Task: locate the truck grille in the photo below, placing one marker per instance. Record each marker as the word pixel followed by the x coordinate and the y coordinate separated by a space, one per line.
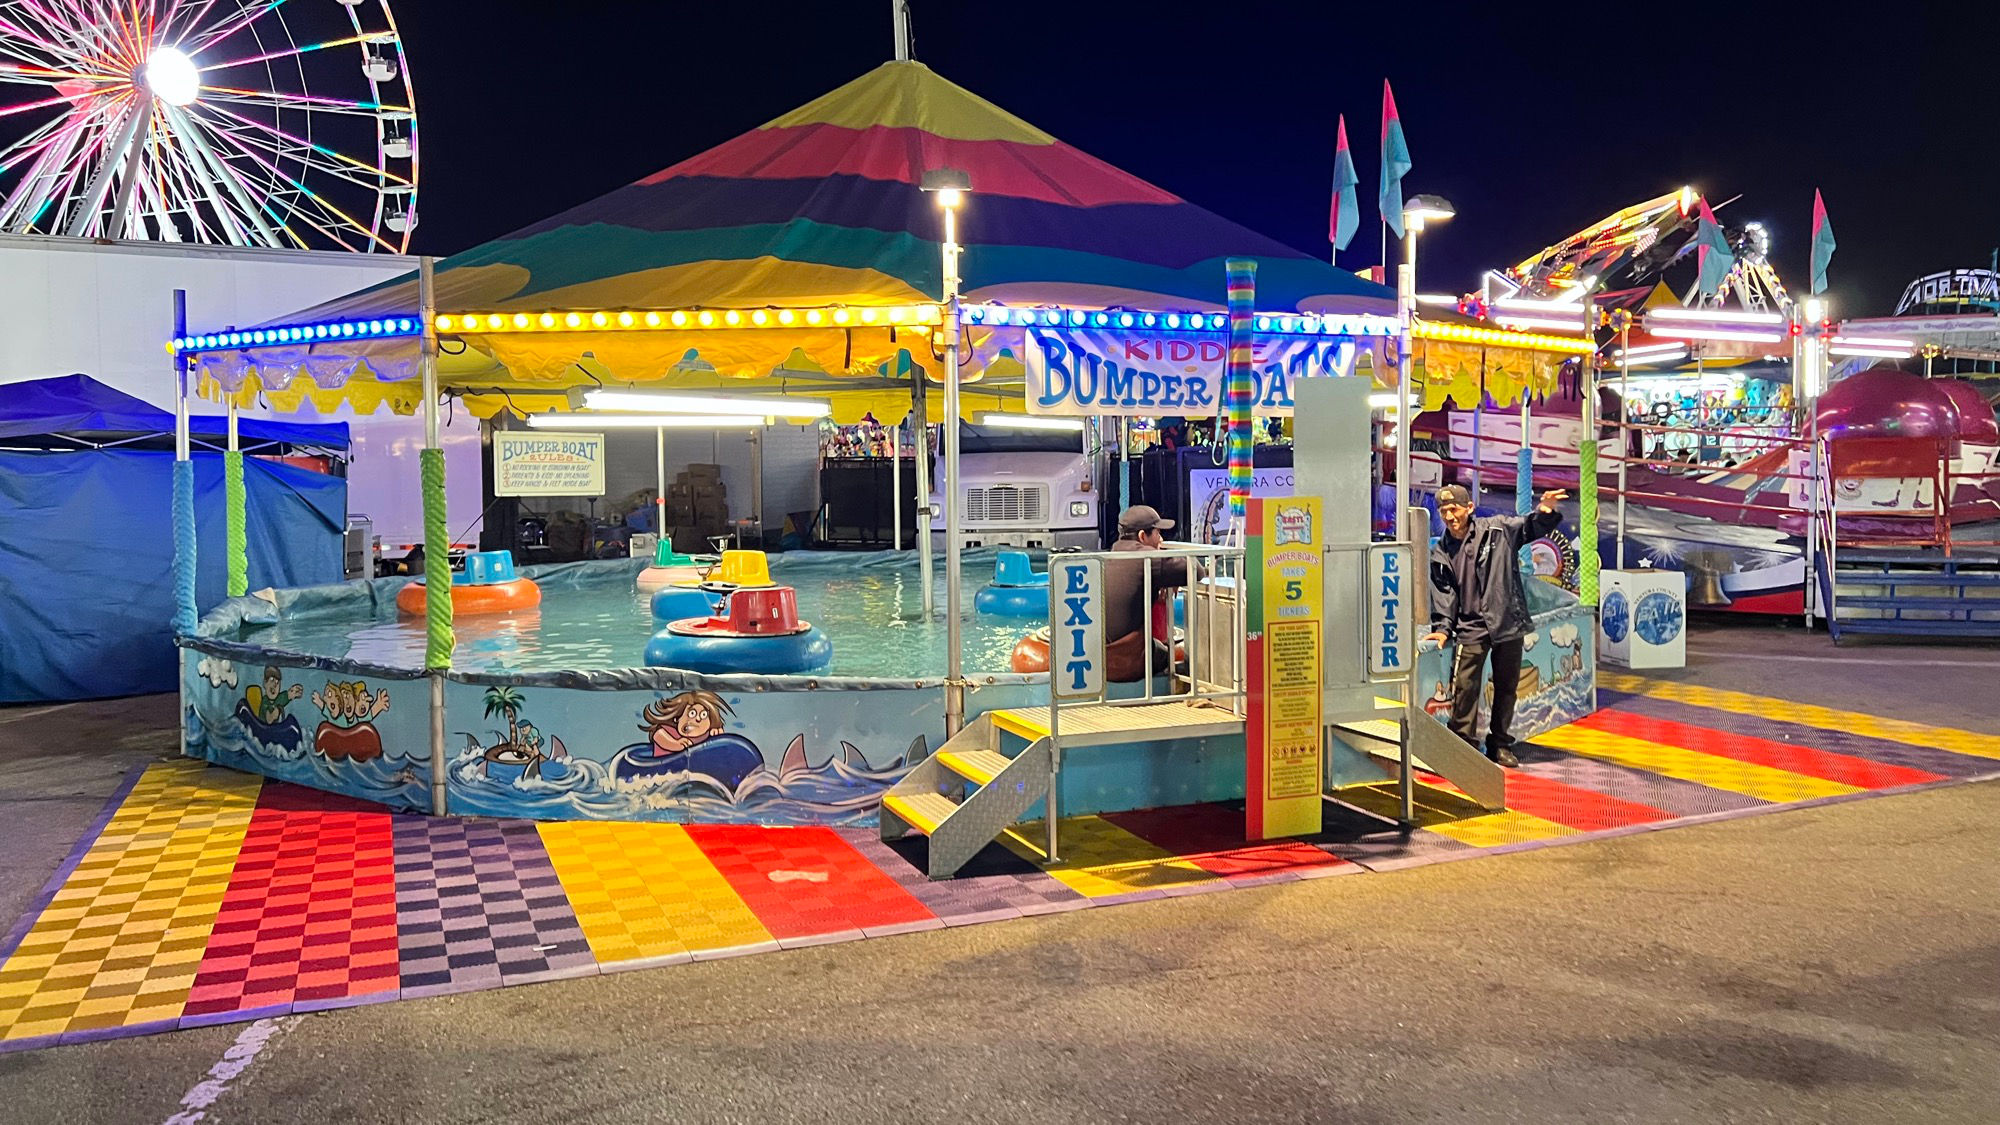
pixel 1007 503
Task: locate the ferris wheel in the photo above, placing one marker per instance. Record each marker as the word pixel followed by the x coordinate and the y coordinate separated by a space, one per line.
pixel 235 122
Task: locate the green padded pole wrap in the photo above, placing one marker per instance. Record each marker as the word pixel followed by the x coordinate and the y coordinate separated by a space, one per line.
pixel 239 519
pixel 1586 521
pixel 437 564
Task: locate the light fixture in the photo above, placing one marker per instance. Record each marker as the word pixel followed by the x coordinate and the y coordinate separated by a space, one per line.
pixel 172 76
pixel 1724 316
pixel 1003 421
pixel 553 421
pixel 706 404
pixel 1422 209
pixel 950 185
pixel 1382 400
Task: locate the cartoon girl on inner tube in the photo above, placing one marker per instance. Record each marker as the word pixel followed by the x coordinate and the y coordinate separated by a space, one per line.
pixel 685 735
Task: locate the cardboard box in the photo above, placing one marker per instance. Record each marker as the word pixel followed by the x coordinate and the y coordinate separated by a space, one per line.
pixel 704 472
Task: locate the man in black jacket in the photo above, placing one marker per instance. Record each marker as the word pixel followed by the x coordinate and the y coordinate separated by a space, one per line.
pixel 1478 605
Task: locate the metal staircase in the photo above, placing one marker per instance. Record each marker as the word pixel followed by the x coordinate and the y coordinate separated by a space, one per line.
pixel 1910 592
pixel 1432 748
pixel 966 794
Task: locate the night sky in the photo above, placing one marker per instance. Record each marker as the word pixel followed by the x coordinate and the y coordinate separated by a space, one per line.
pixel 1533 126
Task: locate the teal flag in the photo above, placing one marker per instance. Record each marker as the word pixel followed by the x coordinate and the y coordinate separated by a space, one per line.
pixel 1395 163
pixel 1822 244
pixel 1345 218
pixel 1717 259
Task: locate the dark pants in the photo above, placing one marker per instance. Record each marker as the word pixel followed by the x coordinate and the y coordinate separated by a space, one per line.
pixel 1465 667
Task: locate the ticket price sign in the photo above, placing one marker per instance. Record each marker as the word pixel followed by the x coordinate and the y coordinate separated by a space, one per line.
pixel 1286 545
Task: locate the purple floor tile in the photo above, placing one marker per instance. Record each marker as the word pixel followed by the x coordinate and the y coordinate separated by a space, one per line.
pixel 240 1015
pixel 504 917
pixel 97 1034
pixel 1668 794
pixel 30 1043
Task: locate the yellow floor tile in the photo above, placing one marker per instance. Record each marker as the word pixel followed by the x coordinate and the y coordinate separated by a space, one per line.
pixel 1808 714
pixel 1100 859
pixel 1496 829
pixel 646 890
pixel 1762 782
pixel 148 888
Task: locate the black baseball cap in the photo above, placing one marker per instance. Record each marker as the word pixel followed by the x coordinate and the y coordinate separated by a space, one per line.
pixel 1454 494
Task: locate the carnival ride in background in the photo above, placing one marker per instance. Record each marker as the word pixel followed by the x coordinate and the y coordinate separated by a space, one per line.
pixel 1698 402
pixel 244 123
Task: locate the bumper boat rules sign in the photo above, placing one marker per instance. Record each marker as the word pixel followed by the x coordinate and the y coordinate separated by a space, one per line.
pixel 1286 562
pixel 541 463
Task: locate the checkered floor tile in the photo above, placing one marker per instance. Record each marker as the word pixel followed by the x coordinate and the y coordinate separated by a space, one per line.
pixel 209 895
pixel 645 891
pixel 806 882
pixel 119 944
pixel 478 904
pixel 310 913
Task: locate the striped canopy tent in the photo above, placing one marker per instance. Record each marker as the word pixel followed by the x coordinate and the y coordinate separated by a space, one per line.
pixel 801 258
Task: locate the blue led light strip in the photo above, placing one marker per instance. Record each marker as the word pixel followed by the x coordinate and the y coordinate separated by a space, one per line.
pixel 1301 324
pixel 286 335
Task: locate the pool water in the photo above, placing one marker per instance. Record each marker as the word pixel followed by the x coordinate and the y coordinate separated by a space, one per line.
pixel 869 605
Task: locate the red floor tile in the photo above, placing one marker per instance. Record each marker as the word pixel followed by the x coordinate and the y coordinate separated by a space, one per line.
pixel 1211 838
pixel 1862 773
pixel 310 913
pixel 805 881
pixel 1585 810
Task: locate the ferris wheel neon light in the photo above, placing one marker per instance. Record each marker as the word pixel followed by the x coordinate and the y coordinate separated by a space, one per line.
pixel 240 122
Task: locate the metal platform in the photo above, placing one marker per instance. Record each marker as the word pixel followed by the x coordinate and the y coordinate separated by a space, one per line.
pixel 1100 724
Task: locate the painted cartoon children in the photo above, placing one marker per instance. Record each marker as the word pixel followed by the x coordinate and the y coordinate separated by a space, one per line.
pixel 269 701
pixel 1440 701
pixel 365 707
pixel 683 722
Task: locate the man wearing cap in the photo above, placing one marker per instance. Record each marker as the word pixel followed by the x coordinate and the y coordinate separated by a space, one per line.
pixel 1477 604
pixel 1125 608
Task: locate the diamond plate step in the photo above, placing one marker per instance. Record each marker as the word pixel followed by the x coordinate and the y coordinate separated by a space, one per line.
pixel 976 766
pixel 921 811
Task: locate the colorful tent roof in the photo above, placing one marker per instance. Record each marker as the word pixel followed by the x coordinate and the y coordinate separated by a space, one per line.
pixel 822 206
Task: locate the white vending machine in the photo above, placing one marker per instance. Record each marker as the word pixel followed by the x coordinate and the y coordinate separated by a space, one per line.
pixel 1642 618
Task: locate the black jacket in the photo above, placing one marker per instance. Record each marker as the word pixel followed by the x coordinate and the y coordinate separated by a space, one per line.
pixel 1476 592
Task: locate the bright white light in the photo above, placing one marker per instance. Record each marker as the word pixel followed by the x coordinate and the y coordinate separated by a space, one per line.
pixel 645 421
pixel 1382 400
pixel 1029 422
pixel 707 404
pixel 950 198
pixel 1720 316
pixel 1697 332
pixel 172 76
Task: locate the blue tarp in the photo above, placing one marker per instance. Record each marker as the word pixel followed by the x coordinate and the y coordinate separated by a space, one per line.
pixel 79 404
pixel 86 561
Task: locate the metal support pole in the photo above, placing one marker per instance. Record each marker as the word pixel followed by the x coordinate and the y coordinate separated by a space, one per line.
pixel 185 621
pixel 660 484
pixel 1624 437
pixel 1406 310
pixel 954 697
pixel 896 488
pixel 921 462
pixel 437 536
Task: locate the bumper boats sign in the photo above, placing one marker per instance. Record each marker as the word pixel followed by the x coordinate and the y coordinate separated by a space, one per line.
pixel 540 463
pixel 1079 371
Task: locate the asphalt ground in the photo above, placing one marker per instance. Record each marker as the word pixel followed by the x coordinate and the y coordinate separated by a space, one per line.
pixel 1837 963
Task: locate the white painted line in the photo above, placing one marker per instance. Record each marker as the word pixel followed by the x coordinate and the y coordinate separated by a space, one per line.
pixel 17 716
pixel 237 1059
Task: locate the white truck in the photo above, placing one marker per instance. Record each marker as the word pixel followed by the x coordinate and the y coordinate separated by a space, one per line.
pixel 1017 491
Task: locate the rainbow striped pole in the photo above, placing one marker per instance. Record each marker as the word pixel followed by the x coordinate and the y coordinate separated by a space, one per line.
pixel 1239 387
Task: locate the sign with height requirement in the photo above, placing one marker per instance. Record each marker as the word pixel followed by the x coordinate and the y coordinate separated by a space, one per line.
pixel 542 463
pixel 1286 541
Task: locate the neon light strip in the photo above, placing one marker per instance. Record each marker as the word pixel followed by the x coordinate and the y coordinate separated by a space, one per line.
pixel 289 335
pixel 1719 316
pixel 1468 334
pixel 594 320
pixel 1302 324
pixel 1696 332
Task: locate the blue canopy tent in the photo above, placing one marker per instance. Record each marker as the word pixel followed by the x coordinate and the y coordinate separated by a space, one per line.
pixel 86 566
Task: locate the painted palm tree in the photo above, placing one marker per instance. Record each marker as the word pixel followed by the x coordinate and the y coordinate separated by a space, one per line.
pixel 506 701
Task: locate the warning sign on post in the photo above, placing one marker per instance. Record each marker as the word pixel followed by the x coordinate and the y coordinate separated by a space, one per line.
pixel 1285 568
